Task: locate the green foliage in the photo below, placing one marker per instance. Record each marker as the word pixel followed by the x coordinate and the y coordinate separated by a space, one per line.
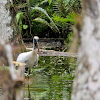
pixel 44 12
pixel 25 26
pixel 64 13
pixel 69 18
pixel 69 40
pixel 42 21
pixel 19 18
pixel 27 18
pixel 19 15
pixel 65 23
pixel 56 64
pixel 37 3
pixel 38 27
pixel 56 14
pixel 67 6
pixel 50 1
pixel 53 76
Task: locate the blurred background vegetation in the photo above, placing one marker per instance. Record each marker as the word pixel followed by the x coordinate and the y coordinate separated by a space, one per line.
pixel 46 18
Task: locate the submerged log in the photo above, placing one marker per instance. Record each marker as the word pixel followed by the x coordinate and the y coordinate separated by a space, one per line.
pixel 46 42
pixel 55 53
pixel 44 39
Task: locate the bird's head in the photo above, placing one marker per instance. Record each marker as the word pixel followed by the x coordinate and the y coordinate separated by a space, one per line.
pixel 35 41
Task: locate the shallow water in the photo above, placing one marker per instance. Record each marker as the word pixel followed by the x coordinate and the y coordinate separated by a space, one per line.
pixel 51 79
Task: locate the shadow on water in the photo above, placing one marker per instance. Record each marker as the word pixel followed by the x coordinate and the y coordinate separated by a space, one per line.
pixel 51 79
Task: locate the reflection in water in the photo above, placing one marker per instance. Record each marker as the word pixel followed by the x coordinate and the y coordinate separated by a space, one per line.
pixel 51 80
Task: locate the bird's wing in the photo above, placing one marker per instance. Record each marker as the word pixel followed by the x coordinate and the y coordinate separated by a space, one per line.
pixel 23 57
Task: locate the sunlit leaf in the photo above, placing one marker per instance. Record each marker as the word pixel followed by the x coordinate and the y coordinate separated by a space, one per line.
pixel 49 1
pixel 25 26
pixel 18 16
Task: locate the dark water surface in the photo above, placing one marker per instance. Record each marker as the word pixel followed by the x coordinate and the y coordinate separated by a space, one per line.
pixel 51 79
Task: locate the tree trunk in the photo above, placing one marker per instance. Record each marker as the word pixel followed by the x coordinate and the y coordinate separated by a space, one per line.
pixel 11 82
pixel 8 24
pixel 5 21
pixel 86 84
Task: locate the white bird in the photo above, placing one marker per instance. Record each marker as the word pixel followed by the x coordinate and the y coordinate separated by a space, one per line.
pixel 30 58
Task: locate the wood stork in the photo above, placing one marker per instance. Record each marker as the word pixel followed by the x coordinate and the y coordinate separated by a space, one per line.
pixel 30 58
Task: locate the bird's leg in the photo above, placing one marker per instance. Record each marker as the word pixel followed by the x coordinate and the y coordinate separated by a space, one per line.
pixel 38 49
pixel 29 71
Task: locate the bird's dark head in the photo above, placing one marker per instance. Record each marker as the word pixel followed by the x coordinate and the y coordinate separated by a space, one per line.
pixel 35 41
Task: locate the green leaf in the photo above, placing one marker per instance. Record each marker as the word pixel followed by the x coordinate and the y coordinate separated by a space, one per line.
pixel 42 21
pixel 44 11
pixel 49 1
pixel 18 16
pixel 25 26
pixel 40 3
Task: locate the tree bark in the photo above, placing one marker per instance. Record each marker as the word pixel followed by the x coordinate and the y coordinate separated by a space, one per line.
pixel 8 24
pixel 86 85
pixel 5 21
pixel 11 82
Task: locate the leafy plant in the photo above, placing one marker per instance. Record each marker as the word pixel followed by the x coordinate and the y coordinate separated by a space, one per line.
pixel 56 76
pixel 19 18
pixel 50 1
pixel 30 16
pixel 39 15
pixel 65 23
pixel 43 21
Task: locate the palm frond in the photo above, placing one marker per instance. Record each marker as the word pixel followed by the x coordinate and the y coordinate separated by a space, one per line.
pixel 44 11
pixel 40 3
pixel 49 1
pixel 42 21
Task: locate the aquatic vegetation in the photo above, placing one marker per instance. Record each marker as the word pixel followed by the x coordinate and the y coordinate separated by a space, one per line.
pixel 52 79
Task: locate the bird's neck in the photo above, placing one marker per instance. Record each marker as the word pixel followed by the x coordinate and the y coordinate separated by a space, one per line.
pixel 33 45
pixel 35 52
pixel 34 48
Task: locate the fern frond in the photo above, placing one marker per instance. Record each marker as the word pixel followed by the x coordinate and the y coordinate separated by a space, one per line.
pixel 56 7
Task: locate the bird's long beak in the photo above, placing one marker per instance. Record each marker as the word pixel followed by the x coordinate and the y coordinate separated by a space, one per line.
pixel 38 48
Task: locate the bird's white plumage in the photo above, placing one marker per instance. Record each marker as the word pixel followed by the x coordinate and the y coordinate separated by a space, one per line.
pixel 36 37
pixel 29 58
